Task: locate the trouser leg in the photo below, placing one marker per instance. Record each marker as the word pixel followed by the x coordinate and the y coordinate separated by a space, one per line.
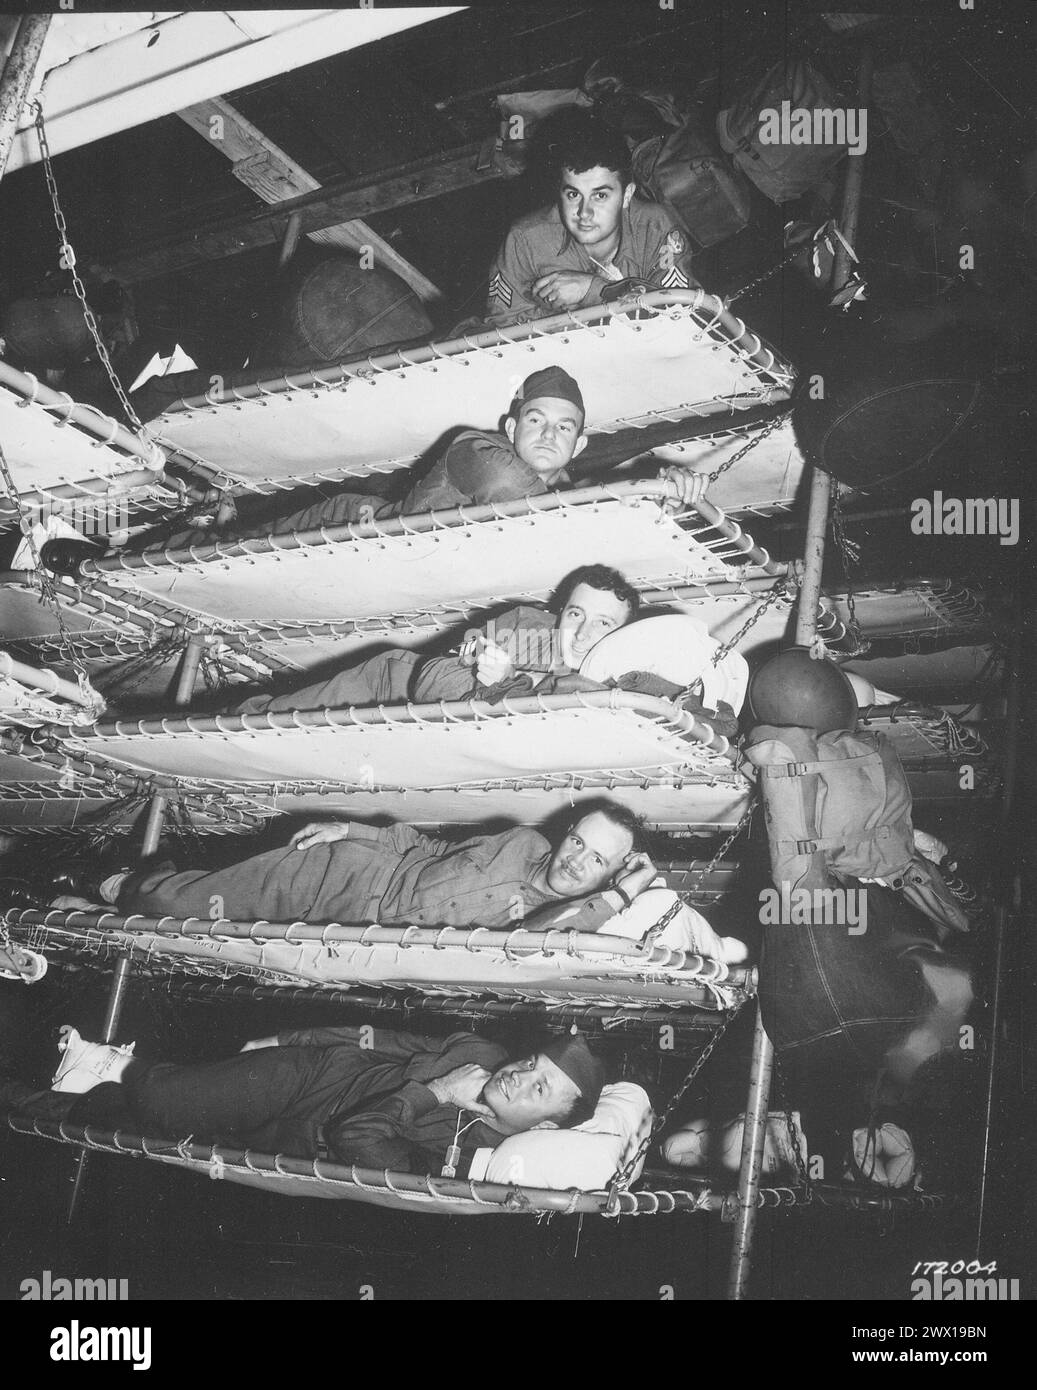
pixel 275 1098
pixel 341 882
pixel 380 680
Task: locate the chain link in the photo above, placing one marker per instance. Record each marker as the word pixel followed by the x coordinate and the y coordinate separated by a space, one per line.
pixel 747 448
pixel 795 1134
pixel 787 259
pixel 621 1179
pixel 783 589
pixel 68 262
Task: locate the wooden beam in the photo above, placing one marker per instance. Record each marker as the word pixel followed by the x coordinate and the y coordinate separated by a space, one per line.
pixel 275 177
pixel 330 206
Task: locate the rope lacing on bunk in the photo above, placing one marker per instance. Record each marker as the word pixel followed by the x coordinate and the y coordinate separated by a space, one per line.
pixel 48 591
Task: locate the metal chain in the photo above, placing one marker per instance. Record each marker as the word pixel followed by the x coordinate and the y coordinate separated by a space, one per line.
pixel 747 448
pixel 48 590
pixel 787 259
pixel 68 262
pixel 849 556
pixel 779 591
pixel 622 1176
pixel 743 824
pixel 795 1135
pixel 132 673
pixel 657 929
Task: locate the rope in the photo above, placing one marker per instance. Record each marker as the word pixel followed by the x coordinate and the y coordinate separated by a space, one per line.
pixel 849 556
pixel 47 588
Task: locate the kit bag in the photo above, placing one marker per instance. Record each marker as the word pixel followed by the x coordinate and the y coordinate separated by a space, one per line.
pixel 782 171
pixel 839 802
pixel 689 174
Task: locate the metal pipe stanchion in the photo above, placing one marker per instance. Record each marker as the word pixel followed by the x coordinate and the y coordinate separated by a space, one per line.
pixel 1003 918
pixel 152 837
pixel 17 75
pixel 841 268
pixel 751 1165
pixel 813 557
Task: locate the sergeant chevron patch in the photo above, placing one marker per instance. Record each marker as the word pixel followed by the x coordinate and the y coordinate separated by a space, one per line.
pixel 500 289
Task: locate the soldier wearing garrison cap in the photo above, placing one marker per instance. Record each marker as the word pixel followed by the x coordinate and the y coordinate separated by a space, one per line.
pixel 370 1096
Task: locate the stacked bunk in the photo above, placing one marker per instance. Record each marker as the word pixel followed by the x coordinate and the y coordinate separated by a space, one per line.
pixel 708 393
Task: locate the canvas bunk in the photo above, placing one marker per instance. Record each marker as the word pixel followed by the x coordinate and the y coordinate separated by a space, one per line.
pixel 62 456
pixel 449 561
pixel 378 414
pixel 660 759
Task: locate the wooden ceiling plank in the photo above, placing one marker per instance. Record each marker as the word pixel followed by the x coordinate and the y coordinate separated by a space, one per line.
pixel 275 177
pixel 328 206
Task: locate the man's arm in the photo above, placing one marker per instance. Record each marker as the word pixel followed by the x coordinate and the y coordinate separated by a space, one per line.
pixel 382 1135
pixel 668 260
pixel 509 298
pixel 487 469
pixel 378 1137
pixel 590 913
pixel 576 914
pixel 387 1042
pixel 400 838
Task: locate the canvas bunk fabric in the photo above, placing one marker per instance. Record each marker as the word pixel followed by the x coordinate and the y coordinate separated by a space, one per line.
pixel 471 963
pixel 467 557
pixel 61 452
pixel 662 356
pixel 463 745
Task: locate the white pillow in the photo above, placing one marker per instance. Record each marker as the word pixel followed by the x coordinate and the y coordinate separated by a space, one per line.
pixel 676 647
pixel 688 930
pixel 586 1156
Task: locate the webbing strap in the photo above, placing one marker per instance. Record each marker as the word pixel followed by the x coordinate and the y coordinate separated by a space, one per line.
pixel 881 832
pixel 778 770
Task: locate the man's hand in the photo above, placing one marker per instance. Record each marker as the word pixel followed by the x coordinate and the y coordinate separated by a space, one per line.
pixel 690 487
pixel 563 289
pixel 930 847
pixel 256 1043
pixel 492 663
pixel 462 1087
pixel 319 832
pixel 635 875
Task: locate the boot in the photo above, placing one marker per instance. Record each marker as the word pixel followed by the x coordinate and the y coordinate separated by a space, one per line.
pixel 64 556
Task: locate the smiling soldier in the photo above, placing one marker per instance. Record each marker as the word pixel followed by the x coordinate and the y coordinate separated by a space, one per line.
pixel 596 243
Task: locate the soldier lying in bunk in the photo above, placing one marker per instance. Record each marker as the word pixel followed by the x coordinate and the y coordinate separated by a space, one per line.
pixel 542 433
pixel 530 648
pixel 369 1096
pixel 519 651
pixel 346 871
pixel 597 242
